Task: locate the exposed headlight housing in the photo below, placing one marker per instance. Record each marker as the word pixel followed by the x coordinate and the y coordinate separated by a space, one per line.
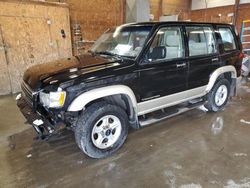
pixel 52 99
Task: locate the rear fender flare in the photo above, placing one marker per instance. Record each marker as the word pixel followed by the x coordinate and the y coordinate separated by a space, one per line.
pixel 218 72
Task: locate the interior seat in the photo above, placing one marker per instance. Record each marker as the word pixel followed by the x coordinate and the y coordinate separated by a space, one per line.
pixel 197 48
pixel 173 46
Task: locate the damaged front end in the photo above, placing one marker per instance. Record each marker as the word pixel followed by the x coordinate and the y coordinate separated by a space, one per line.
pixel 45 123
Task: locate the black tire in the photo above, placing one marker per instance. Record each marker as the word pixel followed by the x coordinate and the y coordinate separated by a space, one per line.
pixel 211 104
pixel 86 123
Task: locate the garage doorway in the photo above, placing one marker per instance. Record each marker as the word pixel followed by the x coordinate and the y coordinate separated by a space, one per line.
pixel 26 40
pixel 5 84
pixel 24 45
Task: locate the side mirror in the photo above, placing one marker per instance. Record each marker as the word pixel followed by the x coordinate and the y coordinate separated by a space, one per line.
pixel 158 52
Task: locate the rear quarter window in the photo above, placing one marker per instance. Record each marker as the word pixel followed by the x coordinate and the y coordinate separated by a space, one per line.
pixel 228 39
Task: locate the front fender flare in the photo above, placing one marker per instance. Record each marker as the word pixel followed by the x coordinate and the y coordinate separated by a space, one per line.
pixel 82 100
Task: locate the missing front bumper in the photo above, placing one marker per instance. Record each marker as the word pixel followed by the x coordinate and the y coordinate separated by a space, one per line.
pixel 40 124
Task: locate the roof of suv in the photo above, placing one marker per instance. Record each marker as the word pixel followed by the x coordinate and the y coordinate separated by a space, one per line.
pixel 154 23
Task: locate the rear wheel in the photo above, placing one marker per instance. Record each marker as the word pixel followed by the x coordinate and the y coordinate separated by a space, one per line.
pixel 101 129
pixel 218 96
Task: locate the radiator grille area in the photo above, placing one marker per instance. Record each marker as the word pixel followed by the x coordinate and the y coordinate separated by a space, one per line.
pixel 27 93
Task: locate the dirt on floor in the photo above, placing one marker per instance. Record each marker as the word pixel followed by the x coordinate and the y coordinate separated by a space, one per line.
pixel 193 150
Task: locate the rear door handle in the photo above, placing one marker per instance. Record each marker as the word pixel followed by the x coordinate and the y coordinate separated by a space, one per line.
pixel 181 65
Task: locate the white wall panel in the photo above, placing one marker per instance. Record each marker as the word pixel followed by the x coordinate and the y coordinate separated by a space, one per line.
pixel 137 11
pixel 244 1
pixel 200 4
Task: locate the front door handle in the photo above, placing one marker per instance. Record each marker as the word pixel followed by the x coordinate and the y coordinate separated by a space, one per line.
pixel 215 60
pixel 181 65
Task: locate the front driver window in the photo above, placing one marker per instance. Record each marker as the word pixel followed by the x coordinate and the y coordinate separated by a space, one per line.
pixel 167 44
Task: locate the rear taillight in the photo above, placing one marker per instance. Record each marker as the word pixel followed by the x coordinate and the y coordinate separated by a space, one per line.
pixel 241 55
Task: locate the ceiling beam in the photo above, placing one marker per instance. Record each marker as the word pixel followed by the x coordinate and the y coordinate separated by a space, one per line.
pixel 236 10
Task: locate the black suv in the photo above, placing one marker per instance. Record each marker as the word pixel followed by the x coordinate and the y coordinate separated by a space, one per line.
pixel 134 75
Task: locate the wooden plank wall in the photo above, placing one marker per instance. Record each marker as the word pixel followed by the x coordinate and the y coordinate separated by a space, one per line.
pixel 165 7
pixel 212 14
pixel 95 16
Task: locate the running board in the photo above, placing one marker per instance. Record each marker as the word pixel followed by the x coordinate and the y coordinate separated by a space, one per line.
pixel 168 113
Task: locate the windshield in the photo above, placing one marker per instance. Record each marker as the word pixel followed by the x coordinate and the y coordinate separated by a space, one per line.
pixel 122 41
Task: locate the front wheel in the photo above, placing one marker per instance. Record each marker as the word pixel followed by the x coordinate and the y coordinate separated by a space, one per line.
pixel 218 96
pixel 101 129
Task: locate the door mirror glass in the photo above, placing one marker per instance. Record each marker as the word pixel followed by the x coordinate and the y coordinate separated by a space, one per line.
pixel 158 52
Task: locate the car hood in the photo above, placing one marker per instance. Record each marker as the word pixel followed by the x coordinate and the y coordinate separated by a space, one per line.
pixel 58 71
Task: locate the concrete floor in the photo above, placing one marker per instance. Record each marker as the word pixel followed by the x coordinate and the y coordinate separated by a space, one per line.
pixel 192 150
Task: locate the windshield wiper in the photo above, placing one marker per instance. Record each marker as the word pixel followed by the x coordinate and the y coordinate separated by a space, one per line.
pixel 106 53
pixel 109 54
pixel 102 53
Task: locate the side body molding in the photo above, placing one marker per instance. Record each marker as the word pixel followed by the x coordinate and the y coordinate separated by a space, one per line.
pixel 218 72
pixel 80 102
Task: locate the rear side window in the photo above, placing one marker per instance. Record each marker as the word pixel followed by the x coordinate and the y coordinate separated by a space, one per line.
pixel 227 39
pixel 201 40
